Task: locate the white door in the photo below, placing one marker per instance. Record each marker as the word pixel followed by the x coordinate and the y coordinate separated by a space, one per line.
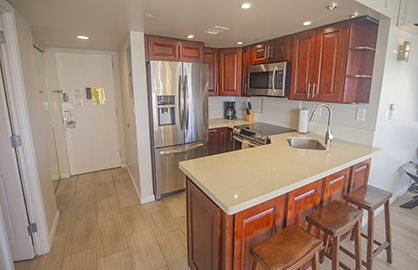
pixel 11 195
pixel 93 144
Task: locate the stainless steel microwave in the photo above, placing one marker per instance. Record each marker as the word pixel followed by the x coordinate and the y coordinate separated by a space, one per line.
pixel 268 79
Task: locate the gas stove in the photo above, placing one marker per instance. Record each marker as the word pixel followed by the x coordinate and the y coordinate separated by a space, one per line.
pixel 258 133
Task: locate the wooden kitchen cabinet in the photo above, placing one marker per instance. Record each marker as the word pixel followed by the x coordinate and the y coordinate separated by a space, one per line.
pixel 203 223
pixel 217 240
pixel 212 59
pixel 359 175
pixel 246 62
pixel 334 63
pixel 275 50
pixel 170 49
pixel 230 71
pixel 335 186
pixel 220 140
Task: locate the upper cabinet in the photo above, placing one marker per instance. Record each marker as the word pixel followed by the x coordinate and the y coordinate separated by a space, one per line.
pixel 275 50
pixel 230 71
pixel 334 63
pixel 169 49
pixel 212 59
pixel 246 62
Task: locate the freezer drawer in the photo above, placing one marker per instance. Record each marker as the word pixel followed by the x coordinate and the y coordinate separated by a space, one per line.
pixel 168 176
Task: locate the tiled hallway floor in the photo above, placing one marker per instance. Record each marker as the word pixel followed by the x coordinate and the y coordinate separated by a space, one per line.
pixel 104 227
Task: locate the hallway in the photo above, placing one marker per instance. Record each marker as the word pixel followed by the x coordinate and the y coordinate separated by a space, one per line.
pixel 103 226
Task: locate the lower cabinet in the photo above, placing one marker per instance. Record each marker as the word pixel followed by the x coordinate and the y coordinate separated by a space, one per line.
pixel 220 241
pixel 220 140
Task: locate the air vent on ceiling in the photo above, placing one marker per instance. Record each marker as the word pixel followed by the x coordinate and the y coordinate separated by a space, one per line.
pixel 216 30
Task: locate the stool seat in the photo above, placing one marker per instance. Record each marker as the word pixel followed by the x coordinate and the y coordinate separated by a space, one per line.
pixel 288 249
pixel 368 197
pixel 335 218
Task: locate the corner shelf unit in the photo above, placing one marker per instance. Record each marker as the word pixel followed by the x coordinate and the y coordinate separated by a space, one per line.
pixel 360 59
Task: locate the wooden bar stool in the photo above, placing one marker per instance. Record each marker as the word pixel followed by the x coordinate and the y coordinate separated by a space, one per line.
pixel 335 219
pixel 288 249
pixel 370 198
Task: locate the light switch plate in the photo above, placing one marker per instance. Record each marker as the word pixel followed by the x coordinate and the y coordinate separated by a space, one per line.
pixel 361 114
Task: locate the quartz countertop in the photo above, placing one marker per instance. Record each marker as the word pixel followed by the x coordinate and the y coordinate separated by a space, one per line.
pixel 238 180
pixel 220 122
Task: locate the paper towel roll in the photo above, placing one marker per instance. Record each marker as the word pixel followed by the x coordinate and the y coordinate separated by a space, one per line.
pixel 303 120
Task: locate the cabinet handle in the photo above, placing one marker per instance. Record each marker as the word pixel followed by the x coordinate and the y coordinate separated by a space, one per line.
pixel 271 52
pixel 265 51
pixel 313 90
pixel 309 90
pixel 180 54
pixel 268 55
pixel 217 88
pixel 177 50
pixel 246 89
pixel 230 136
pixel 238 88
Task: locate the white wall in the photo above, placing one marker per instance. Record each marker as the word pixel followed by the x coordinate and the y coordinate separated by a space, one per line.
pixel 129 123
pixel 27 58
pixel 52 78
pixel 145 184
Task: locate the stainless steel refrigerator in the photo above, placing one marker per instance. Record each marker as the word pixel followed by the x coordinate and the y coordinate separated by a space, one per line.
pixel 179 110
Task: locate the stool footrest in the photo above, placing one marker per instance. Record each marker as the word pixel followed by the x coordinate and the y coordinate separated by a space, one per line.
pixel 342 265
pixel 374 241
pixel 350 254
pixel 380 248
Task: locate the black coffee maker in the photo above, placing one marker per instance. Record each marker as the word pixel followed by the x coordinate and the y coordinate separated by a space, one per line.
pixel 229 109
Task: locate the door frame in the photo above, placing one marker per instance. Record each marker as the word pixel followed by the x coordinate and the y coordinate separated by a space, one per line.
pixel 13 77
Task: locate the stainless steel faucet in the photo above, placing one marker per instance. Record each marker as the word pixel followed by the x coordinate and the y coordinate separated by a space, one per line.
pixel 328 134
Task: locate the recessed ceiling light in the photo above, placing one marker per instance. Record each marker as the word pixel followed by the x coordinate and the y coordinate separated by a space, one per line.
pixel 239 42
pixel 332 6
pixel 246 5
pixel 355 15
pixel 307 23
pixel 190 36
pixel 148 15
pixel 82 37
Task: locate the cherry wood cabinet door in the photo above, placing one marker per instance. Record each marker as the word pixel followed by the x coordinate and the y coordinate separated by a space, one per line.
pixel 213 141
pixel 223 140
pixel 331 59
pixel 230 140
pixel 280 49
pixel 246 62
pixel 303 65
pixel 335 186
pixel 359 175
pixel 302 202
pixel 230 67
pixel 259 53
pixel 161 48
pixel 203 230
pixel 212 59
pixel 255 225
pixel 191 51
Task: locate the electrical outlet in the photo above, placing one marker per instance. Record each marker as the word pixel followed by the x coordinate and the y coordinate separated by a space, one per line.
pixel 361 114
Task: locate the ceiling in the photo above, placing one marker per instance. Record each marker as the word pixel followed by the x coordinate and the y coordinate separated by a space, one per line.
pixel 56 23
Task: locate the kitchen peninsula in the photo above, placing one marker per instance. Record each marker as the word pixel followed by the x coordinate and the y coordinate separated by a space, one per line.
pixel 239 198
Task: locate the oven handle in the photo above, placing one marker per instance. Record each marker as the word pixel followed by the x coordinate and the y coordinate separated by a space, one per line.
pixel 241 141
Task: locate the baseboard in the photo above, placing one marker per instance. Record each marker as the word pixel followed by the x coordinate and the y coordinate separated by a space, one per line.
pixel 381 208
pixel 55 177
pixel 54 228
pixel 65 175
pixel 146 199
pixel 124 165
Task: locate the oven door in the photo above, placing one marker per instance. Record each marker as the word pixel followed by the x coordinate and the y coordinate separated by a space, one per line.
pixel 241 143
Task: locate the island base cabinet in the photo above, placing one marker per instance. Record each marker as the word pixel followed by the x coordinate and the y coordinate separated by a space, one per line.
pixel 216 240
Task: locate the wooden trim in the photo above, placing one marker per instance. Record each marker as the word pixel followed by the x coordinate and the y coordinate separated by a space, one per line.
pixel 54 227
pixel 20 121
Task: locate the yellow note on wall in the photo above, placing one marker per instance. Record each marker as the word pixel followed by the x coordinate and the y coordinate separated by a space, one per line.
pixel 98 96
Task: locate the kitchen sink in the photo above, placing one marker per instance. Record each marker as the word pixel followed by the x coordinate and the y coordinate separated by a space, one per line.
pixel 305 143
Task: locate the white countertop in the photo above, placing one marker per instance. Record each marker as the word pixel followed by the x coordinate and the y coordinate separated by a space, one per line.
pixel 220 122
pixel 238 180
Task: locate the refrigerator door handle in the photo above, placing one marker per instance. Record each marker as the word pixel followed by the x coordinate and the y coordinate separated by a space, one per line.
pixel 187 149
pixel 181 102
pixel 186 101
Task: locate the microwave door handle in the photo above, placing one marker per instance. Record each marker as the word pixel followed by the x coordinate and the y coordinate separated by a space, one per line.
pixel 273 79
pixel 181 102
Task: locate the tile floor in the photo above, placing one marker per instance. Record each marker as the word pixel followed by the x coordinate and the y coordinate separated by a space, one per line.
pixel 104 227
